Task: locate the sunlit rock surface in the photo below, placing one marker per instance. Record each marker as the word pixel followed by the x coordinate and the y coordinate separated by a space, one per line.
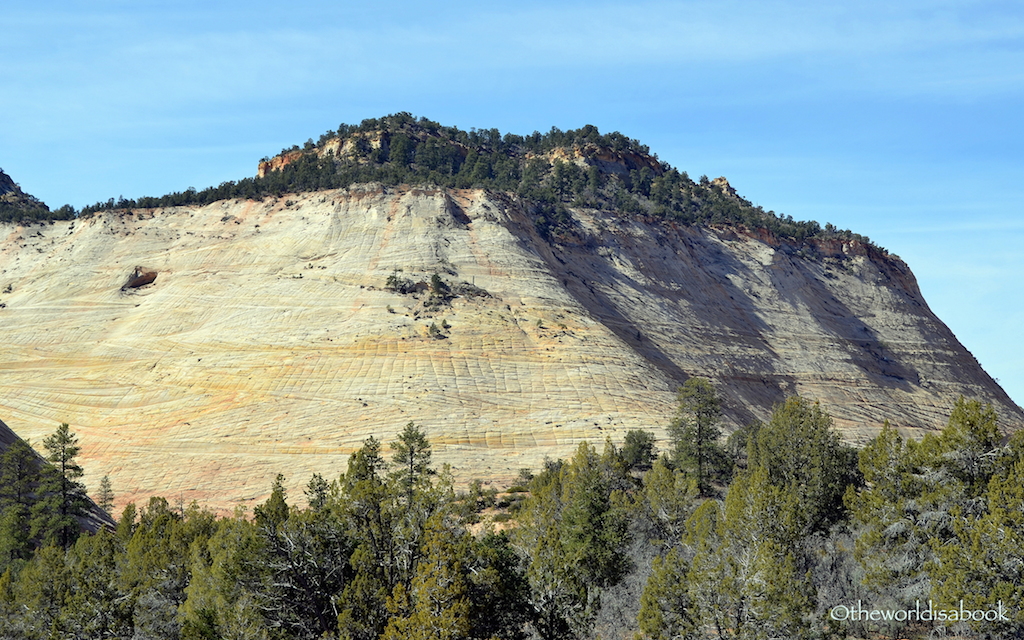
pixel 266 341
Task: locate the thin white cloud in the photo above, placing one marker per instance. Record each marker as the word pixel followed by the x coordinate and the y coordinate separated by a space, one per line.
pixel 901 47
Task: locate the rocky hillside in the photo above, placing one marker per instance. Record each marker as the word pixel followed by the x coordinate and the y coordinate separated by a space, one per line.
pixel 16 205
pixel 200 349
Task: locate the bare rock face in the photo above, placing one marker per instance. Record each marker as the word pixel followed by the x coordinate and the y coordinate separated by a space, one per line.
pixel 277 163
pixel 276 336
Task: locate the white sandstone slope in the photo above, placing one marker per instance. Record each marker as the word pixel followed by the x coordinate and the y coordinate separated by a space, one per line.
pixel 268 342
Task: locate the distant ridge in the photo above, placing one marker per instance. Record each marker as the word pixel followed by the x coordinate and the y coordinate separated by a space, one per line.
pixel 18 206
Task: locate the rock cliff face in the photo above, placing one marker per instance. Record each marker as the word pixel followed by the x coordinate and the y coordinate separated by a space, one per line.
pixel 268 340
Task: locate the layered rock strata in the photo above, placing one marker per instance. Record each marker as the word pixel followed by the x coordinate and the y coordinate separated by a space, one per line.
pixel 268 339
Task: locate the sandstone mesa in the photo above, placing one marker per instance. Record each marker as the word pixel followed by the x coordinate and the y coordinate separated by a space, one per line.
pixel 198 351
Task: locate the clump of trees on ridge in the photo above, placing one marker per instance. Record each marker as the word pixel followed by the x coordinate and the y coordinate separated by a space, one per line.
pixel 19 213
pixel 703 541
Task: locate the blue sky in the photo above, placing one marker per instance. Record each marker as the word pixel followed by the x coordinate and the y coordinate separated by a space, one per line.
pixel 900 121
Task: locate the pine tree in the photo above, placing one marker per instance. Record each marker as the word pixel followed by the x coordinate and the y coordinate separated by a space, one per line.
pixel 367 508
pixel 892 542
pixel 498 589
pixel 557 595
pixel 220 602
pixel 573 537
pixel 105 499
pixel 667 612
pixel 9 609
pixel 126 524
pixel 741 569
pixel 317 492
pixel 386 517
pixel 669 495
pixel 924 504
pixel 801 453
pixel 154 569
pixel 301 568
pixel 412 460
pixel 744 578
pixel 96 605
pixel 274 512
pixel 695 434
pixel 594 528
pixel 41 591
pixel 62 497
pixel 19 473
pixel 970 445
pixel 15 534
pixel 638 450
pixel 19 477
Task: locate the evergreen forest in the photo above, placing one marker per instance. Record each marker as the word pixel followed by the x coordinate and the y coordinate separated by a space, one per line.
pixel 18 213
pixel 548 172
pixel 764 534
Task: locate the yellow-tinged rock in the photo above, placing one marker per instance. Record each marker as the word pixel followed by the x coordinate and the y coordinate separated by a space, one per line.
pixel 268 342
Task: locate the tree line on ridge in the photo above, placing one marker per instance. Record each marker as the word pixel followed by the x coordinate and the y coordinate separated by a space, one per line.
pixel 401 149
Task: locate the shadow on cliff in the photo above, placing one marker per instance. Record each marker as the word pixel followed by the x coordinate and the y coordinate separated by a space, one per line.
pixel 866 349
pixel 710 304
pixel 716 310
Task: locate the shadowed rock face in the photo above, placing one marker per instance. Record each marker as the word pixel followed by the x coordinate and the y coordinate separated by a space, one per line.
pixel 139 278
pixel 7 186
pixel 271 343
pixel 11 194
